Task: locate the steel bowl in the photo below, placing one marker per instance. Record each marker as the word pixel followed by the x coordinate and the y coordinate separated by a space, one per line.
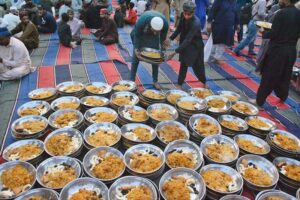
pixel 124 115
pixel 232 96
pixel 262 163
pixel 105 92
pixel 142 148
pixel 201 104
pixel 219 139
pixel 260 132
pixel 41 192
pixel 130 182
pixel 202 92
pixel 170 93
pixel 134 99
pixel 214 110
pixel 86 106
pixel 54 115
pixel 197 136
pixel 128 128
pixel 132 87
pixel 53 161
pixel 171 109
pixel 88 162
pixel 198 184
pixel 185 146
pixel 26 134
pixel 89 184
pixel 67 99
pixel 60 87
pixel 105 126
pixel 33 93
pixel 253 109
pixel 216 194
pixel 33 160
pixel 9 165
pixel 163 124
pixel 71 132
pixel 260 142
pixel 93 111
pixel 298 194
pixel 234 197
pixel 274 193
pixel 146 101
pixel 230 132
pixel 34 104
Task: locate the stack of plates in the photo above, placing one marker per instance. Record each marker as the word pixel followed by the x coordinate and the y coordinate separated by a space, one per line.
pixel 234 197
pixel 71 88
pixel 98 88
pixel 42 107
pixel 217 110
pixel 257 142
pixel 286 182
pixel 164 108
pixel 186 112
pixel 151 55
pixel 201 93
pixel 229 130
pixel 148 149
pixel 268 194
pixel 232 96
pixel 43 94
pixel 197 136
pixel 244 109
pixel 125 116
pixel 213 193
pixel 173 95
pixel 148 97
pixel 255 127
pixel 19 133
pixel 41 192
pixel 11 153
pixel 133 99
pixel 90 115
pixel 98 102
pixel 257 162
pixel 124 85
pixel 279 150
pixel 298 193
pixel 74 101
pixel 76 124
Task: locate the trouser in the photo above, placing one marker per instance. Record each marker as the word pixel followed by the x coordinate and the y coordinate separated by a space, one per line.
pixel 134 67
pixel 241 33
pixel 276 73
pixel 198 68
pixel 30 43
pixel 108 40
pixel 217 51
pixel 298 48
pixel 13 73
pixel 250 38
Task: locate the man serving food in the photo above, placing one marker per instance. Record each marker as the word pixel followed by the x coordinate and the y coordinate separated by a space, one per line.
pixel 150 31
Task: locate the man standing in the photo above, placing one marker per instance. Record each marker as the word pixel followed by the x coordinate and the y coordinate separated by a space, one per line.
pixel 190 44
pixel 47 23
pixel 32 10
pixel 14 57
pixel 281 54
pixel 150 31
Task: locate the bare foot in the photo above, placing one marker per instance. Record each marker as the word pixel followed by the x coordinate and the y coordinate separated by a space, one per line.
pixel 157 86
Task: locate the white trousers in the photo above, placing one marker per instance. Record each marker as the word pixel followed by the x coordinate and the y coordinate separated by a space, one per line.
pixel 217 51
pixel 298 47
pixel 13 73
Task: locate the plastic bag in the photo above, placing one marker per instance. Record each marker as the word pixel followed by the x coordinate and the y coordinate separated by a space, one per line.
pixel 208 48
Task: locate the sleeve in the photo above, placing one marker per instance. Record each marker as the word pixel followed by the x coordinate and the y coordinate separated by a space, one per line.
pixel 188 39
pixel 164 32
pixel 138 32
pixel 17 29
pixel 177 31
pixel 214 10
pixel 261 12
pixel 271 34
pixel 18 56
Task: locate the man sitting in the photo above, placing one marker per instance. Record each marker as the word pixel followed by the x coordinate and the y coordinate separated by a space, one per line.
pixel 14 57
pixel 30 35
pixel 31 9
pixel 108 33
pixel 12 18
pixel 65 34
pixel 119 18
pixel 75 24
pixel 132 16
pixel 47 23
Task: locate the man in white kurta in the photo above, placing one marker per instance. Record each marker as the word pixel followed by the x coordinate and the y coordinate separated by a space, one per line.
pixel 75 24
pixel 14 57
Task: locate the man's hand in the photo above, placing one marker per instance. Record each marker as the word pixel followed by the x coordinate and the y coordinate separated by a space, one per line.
pixel 208 27
pixel 171 56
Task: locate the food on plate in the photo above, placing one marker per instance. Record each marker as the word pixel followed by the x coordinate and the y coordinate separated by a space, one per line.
pixel 180 187
pixel 216 103
pixel 219 180
pixel 102 117
pixel 139 134
pixel 151 54
pixel 103 137
pixel 205 127
pixel 72 88
pixel 231 97
pixel 58 175
pixel 36 110
pixel 62 144
pixel 87 194
pixel 42 95
pixel 153 95
pixel 96 90
pixel 144 161
pixel 286 142
pixel 67 105
pixel 92 101
pixel 135 115
pixel 161 114
pixel 202 93
pixel 273 198
pixel 123 100
pixel 172 98
pixel 35 197
pixel 257 123
pixel 243 108
pixel 134 193
pixel 189 105
pixel 15 180
pixel 67 119
pixel 231 124
pixel 182 158
pixel 170 133
pixel 263 24
pixel 30 126
pixel 24 152
pixel 292 171
pixel 220 152
pixel 121 87
pixel 255 174
pixel 106 165
pixel 251 146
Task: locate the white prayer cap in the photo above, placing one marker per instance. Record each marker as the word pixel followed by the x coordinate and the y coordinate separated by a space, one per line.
pixel 157 23
pixel 13 8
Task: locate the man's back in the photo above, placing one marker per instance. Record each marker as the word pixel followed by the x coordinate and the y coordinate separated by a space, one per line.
pixel 12 20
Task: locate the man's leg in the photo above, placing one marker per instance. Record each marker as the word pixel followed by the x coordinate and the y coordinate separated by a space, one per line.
pixel 182 73
pixel 220 48
pixel 249 38
pixel 134 67
pixel 240 34
pixel 199 71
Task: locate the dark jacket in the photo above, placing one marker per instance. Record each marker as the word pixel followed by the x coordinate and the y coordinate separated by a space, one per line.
pixel 190 43
pixel 47 23
pixel 64 34
pixel 92 17
pixel 47 5
pixel 32 12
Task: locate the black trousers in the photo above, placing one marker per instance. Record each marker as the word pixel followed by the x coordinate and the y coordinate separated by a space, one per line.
pixel 276 73
pixel 198 68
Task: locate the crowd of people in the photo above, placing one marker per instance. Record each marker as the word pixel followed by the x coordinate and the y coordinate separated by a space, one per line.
pixel 23 21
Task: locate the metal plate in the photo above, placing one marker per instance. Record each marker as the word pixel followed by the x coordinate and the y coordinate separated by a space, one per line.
pixel 34 104
pixel 29 118
pixel 54 115
pixel 106 88
pixel 40 90
pixel 69 99
pixel 42 192
pixel 254 139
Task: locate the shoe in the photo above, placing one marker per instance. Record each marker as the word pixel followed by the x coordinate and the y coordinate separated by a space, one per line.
pixel 252 54
pixel 157 86
pixel 253 101
pixel 179 87
pixel 237 53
